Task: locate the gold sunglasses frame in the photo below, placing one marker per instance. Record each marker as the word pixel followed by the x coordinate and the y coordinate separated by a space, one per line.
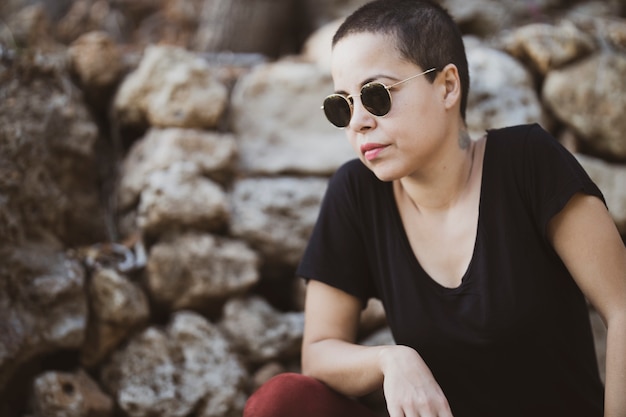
pixel 349 99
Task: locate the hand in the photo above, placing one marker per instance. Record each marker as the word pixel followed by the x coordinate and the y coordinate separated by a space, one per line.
pixel 409 386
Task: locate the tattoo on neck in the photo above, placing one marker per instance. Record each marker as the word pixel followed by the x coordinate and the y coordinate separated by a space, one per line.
pixel 464 139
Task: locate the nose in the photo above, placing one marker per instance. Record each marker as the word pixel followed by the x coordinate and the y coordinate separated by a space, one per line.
pixel 361 119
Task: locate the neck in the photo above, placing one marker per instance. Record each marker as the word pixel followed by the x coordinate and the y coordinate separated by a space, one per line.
pixel 447 183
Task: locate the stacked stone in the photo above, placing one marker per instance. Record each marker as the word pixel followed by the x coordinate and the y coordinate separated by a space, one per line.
pixel 155 201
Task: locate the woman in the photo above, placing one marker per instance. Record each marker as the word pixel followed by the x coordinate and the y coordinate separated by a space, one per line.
pixel 483 251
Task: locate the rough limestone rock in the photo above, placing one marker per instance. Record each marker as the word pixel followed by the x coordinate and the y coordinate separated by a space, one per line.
pixel 171 87
pixel 172 372
pixel 489 17
pixel 502 95
pixel 97 65
pixel 186 151
pixel 600 20
pixel 279 124
pixel 64 394
pixel 276 215
pixel 593 106
pixel 611 179
pixel 79 17
pixel 118 306
pixel 259 331
pixel 180 198
pixel 547 47
pixel 28 26
pixel 48 160
pixel 608 29
pixel 193 270
pixel 213 153
pixel 96 61
pixel 43 308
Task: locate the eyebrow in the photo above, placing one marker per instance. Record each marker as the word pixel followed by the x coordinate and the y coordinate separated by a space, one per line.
pixel 367 81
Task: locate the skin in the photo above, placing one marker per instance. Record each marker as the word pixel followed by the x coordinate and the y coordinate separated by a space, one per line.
pixel 585 237
pixel 422 147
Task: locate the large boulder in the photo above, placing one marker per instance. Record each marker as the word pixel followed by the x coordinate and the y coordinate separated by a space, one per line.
pixel 546 47
pixel 172 87
pixel 502 91
pixel 213 153
pixel 43 307
pixel 180 198
pixel 118 307
pixel 261 333
pixel 49 169
pixel 97 64
pixel 28 27
pixel 279 124
pixel 171 372
pixel 195 271
pixel 593 106
pixel 489 17
pixel 276 215
pixel 69 394
pixel 600 19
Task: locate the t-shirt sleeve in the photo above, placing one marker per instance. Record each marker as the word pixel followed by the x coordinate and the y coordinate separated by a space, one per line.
pixel 552 176
pixel 336 253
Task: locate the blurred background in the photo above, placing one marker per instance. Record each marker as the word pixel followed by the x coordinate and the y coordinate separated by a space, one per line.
pixel 162 163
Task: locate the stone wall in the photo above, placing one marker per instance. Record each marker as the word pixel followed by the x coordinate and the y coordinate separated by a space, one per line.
pixel 155 197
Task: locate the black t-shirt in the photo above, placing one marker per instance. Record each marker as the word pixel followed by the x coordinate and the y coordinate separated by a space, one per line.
pixel 514 339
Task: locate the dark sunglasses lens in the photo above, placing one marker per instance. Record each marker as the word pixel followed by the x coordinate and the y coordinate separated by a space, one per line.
pixel 337 110
pixel 376 99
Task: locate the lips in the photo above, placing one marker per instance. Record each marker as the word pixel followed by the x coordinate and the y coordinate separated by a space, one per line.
pixel 371 150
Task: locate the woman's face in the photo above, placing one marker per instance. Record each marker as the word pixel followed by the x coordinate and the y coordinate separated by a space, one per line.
pixel 402 142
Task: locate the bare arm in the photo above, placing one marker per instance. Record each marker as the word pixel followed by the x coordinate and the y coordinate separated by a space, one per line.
pixel 330 354
pixel 586 239
pixel 329 350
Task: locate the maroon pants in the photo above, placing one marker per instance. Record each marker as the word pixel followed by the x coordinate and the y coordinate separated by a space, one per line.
pixel 295 395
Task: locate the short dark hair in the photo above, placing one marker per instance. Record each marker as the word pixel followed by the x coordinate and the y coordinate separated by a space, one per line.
pixel 425 32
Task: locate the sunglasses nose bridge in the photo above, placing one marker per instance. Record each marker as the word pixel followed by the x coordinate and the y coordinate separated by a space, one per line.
pixel 361 115
pixel 342 110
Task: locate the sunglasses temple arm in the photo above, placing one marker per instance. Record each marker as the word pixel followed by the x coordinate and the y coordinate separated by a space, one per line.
pixel 410 78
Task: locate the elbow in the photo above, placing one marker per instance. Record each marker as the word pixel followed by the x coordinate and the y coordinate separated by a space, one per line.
pixel 311 359
pixel 307 363
pixel 616 319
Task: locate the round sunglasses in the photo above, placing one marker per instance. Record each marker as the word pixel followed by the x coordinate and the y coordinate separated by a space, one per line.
pixel 375 97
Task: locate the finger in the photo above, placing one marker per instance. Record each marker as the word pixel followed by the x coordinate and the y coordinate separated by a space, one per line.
pixel 446 412
pixel 395 411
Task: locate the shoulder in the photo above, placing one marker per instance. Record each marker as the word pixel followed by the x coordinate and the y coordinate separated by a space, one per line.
pixel 353 168
pixel 526 142
pixel 354 175
pixel 520 135
pixel 355 189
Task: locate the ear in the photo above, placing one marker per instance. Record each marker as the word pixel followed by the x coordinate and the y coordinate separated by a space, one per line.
pixel 452 86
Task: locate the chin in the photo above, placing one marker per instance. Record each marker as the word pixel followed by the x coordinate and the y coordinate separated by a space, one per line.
pixel 384 174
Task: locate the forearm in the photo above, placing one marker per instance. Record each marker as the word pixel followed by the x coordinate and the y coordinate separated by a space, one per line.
pixel 615 400
pixel 348 368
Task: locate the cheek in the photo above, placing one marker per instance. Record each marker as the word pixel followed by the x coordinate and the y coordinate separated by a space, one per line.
pixel 353 142
pixel 419 105
pixel 416 111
